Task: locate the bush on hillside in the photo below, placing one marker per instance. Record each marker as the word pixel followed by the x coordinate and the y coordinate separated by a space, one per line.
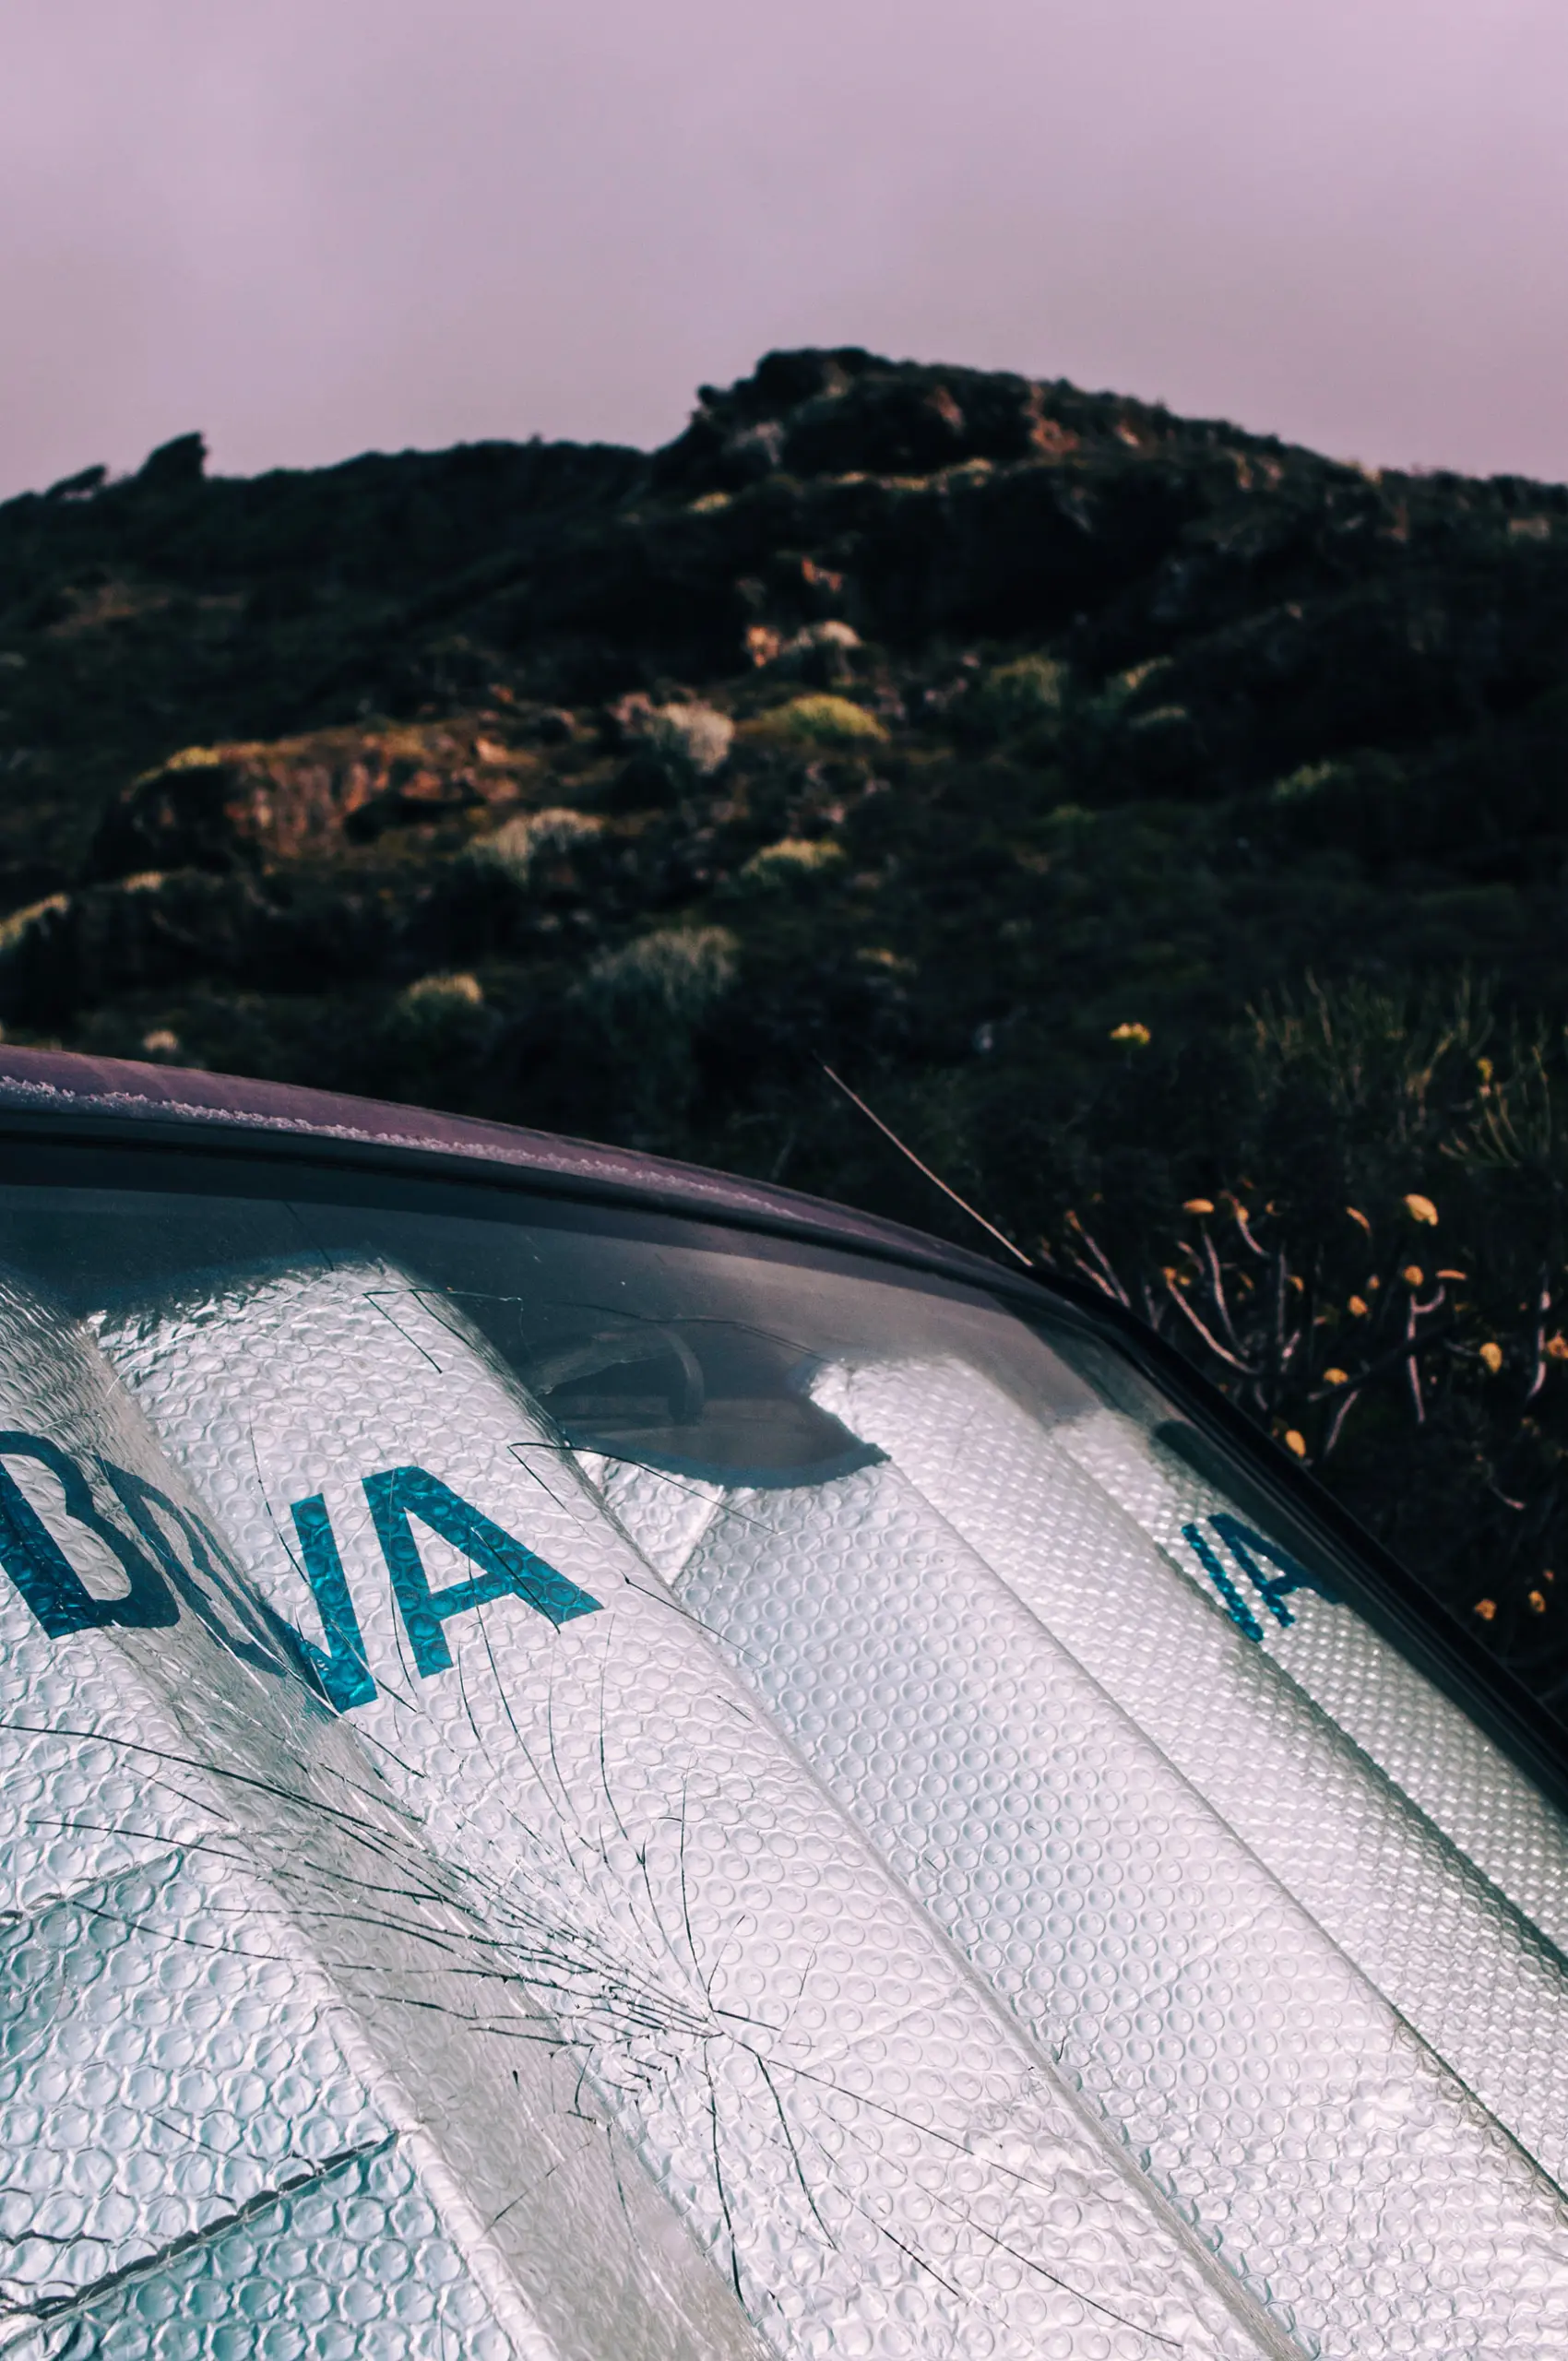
pixel 1026 694
pixel 794 865
pixel 532 841
pixel 820 720
pixel 1365 1244
pixel 645 1004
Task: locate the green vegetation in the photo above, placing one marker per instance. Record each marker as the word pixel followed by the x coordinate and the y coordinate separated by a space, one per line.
pixel 523 847
pixel 1164 830
pixel 820 720
pixel 1012 699
pixel 1352 1209
pixel 793 865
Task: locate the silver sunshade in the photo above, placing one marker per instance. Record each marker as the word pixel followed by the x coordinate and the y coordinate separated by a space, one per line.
pixel 866 2145
pixel 481 1882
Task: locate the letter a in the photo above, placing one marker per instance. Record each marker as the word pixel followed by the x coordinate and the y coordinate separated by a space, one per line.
pixel 506 1565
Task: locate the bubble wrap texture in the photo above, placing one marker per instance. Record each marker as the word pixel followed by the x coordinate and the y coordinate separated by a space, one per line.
pixel 353 2264
pixel 856 2132
pixel 255 2065
pixel 608 1866
pixel 1471 1973
pixel 153 2075
pixel 1265 2087
pixel 1449 1769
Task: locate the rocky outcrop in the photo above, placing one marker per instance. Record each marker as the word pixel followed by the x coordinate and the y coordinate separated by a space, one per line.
pixel 171 930
pixel 849 411
pixel 250 806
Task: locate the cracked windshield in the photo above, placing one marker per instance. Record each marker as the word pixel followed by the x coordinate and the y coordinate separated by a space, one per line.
pixel 933 1858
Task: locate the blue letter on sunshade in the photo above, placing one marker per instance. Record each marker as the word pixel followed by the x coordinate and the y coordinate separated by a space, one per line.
pixel 505 1564
pixel 341 1671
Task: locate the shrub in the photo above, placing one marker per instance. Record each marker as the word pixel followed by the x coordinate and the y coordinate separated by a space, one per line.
pixel 1301 786
pixel 1019 695
pixel 820 720
pixel 193 758
pixel 519 846
pixel 794 864
pixel 672 748
pixel 1364 1240
pixel 438 1014
pixel 668 980
pixel 822 653
pixel 646 1002
pixel 689 740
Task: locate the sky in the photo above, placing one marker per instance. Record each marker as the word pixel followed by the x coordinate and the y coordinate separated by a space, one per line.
pixel 310 228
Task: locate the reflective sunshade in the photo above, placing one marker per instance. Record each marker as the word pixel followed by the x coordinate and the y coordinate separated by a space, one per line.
pixel 582 1784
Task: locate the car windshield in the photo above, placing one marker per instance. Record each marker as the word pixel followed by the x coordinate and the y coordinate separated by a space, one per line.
pixel 588 1782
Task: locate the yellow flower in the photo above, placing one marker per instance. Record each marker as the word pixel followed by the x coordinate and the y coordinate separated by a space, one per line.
pixel 1422 1209
pixel 1198 1206
pixel 1358 1307
pixel 1296 1442
pixel 1492 1355
pixel 1557 1348
pixel 1537 1602
pixel 1412 1274
pixel 1485 1608
pixel 1335 1377
pixel 1137 1036
pixel 1360 1218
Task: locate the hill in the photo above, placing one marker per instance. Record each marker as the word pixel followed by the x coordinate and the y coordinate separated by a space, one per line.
pixel 1162 826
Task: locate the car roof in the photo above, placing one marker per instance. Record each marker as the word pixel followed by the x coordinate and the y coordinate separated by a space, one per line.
pixel 81 1091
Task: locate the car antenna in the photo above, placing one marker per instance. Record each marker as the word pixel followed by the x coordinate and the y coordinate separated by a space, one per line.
pixel 888 1132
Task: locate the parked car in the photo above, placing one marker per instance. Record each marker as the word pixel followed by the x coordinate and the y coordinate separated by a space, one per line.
pixel 602 1760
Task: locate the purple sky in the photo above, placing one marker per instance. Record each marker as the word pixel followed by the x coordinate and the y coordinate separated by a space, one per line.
pixel 311 227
